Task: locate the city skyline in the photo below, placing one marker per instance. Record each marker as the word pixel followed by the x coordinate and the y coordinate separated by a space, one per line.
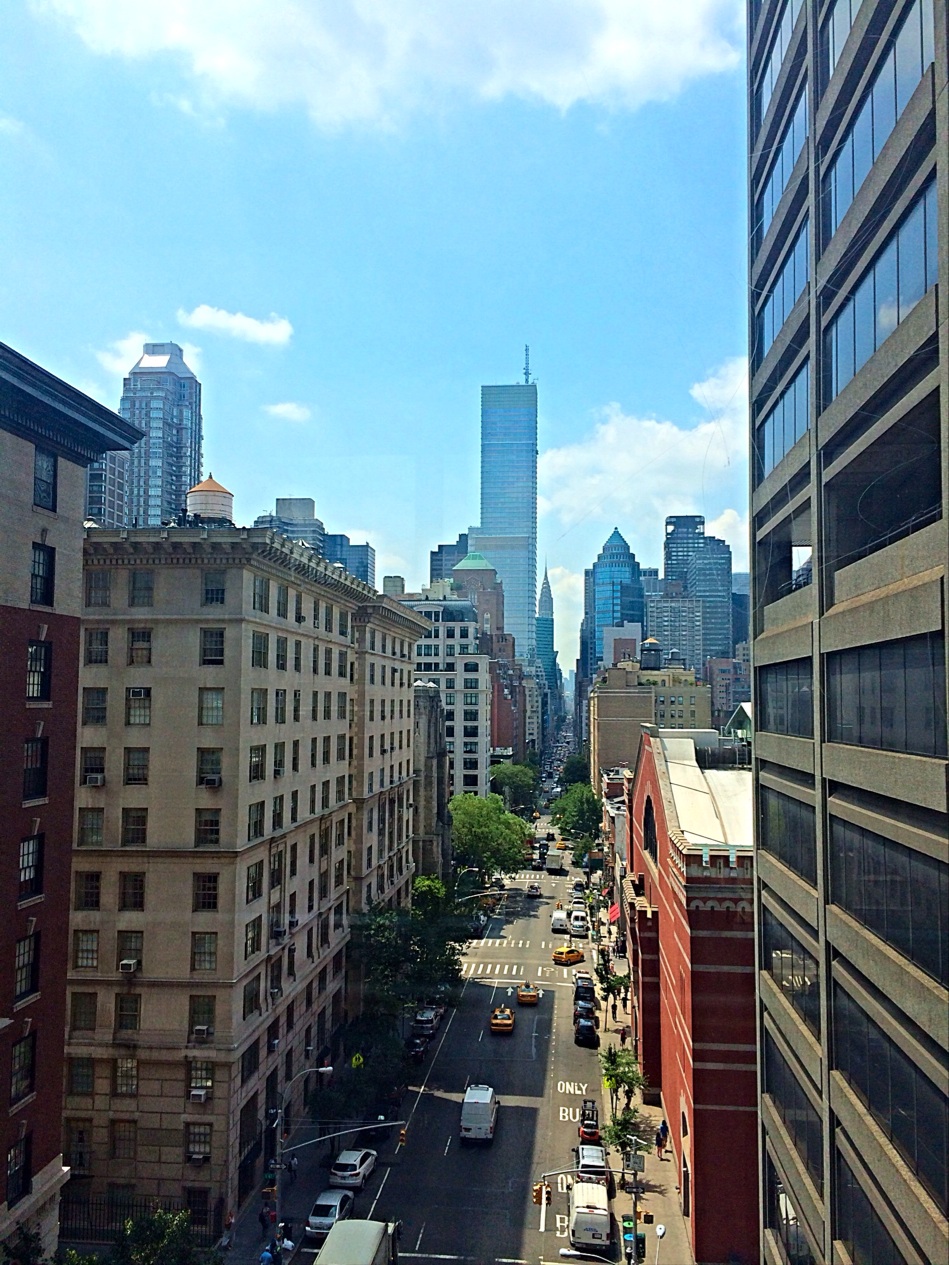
pixel 402 257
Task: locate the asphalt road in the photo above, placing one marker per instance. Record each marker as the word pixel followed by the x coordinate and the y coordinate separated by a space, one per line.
pixel 472 1202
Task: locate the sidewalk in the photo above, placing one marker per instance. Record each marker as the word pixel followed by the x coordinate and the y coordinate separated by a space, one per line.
pixel 659 1185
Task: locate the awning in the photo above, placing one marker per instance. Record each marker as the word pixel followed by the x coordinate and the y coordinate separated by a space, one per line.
pixel 614 913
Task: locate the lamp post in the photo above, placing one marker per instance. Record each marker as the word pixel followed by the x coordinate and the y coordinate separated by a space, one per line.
pixel 281 1112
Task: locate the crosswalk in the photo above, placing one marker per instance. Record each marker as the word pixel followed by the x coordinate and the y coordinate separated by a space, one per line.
pixel 472 970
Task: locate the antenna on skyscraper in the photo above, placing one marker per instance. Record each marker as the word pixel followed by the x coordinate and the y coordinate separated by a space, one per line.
pixel 527 364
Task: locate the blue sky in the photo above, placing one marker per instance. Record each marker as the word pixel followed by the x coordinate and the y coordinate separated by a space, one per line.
pixel 396 196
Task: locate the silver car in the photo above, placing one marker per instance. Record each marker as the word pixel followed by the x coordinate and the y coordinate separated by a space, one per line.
pixel 331 1206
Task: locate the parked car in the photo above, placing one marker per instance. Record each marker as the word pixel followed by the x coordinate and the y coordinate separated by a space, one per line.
pixel 585 1033
pixel 426 1022
pixel 351 1168
pixel 416 1048
pixel 330 1207
pixel 583 1009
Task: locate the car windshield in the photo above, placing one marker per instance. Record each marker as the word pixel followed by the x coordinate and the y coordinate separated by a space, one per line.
pixel 324 1210
pixel 345 1168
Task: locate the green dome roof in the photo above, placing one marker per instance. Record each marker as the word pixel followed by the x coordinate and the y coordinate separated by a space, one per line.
pixel 473 562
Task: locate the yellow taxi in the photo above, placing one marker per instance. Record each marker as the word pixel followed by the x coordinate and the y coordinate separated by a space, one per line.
pixel 502 1019
pixel 527 995
pixel 567 957
pixel 561 845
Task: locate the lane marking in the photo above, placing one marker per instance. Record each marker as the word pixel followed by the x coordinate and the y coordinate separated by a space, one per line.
pixel 379 1192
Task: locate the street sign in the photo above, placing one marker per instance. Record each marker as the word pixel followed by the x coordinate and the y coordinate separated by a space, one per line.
pixel 635 1162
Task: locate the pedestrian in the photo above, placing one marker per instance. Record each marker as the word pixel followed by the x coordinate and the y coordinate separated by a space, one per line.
pixel 264 1218
pixel 227 1238
pixel 292 1165
pixel 664 1130
pixel 288 1229
pixel 266 1257
pixel 623 1034
pixel 613 1008
pixel 660 1144
pixel 275 1254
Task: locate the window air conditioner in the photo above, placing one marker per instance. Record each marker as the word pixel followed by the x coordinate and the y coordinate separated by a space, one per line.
pixel 199 1157
pixel 293 922
pixel 275 1045
pixel 138 691
pixel 214 780
pixel 199 1095
pixel 94 779
pixel 129 966
pixel 277 933
pixel 201 1032
pixel 301 619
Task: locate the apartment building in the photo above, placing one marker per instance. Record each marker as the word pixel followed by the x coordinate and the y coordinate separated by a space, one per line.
pixel 224 837
pixel 49 434
pixel 849 324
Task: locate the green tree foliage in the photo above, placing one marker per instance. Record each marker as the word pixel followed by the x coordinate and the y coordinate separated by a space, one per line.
pixel 485 836
pixel 621 1075
pixel 517 784
pixel 627 1129
pixel 577 812
pixel 163 1238
pixel 576 768
pixel 406 954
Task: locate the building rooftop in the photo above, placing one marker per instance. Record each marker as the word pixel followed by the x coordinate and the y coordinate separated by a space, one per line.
pixel 714 806
pixel 473 562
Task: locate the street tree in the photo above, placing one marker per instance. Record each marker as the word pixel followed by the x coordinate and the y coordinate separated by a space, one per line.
pixel 577 812
pixel 485 836
pixel 517 784
pixel 576 768
pixel 621 1075
pixel 161 1238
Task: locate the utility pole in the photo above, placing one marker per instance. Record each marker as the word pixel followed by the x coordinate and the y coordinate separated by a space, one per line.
pixel 281 1113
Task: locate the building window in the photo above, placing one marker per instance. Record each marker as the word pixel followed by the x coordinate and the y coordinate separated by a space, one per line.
pixel 85 949
pixel 91 825
pixel 297 697
pixel 209 763
pixel 890 696
pixel 298 656
pixel 858 1225
pixel 782 296
pixel 796 1110
pixel 792 968
pixel 43 575
pixel 80 1074
pixel 276 813
pixel 252 936
pixel 210 707
pixel 279 759
pixel 910 1109
pixel 141 588
pixel 125 1078
pixel 129 945
pixel 251 1002
pixel 255 820
pixel 260 650
pixel 19 1169
pixel 39 671
pixel 23 1068
pixel 31 866
pixel 787 700
pixel 138 705
pixel 784 424
pixel 258 707
pixel 204 951
pixel 280 657
pixel 134 827
pixel 257 764
pixel 255 881
pixel 198 1139
pixel 214 588
pixel 78 1145
pixel 201 1071
pixel 212 647
pixel 283 601
pixel 280 707
pixel 44 479
pixel 764 90
pixel 782 1218
pixel 35 768
pixel 898 278
pixel 907 56
pixel 87 889
pixel 207 827
pixel 83 1012
pixel 97 645
pixel 98 588
pixel 788 149
pixel 122 1139
pixel 95 702
pixel 128 1012
pixel 204 892
pixel 900 894
pixel 139 647
pixel 131 893
pixel 135 768
pixel 787 829
pixel 26 970
pixel 261 598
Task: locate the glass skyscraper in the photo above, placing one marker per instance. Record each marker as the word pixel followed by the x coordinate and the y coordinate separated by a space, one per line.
pixel 507 535
pixel 163 397
pixel 617 590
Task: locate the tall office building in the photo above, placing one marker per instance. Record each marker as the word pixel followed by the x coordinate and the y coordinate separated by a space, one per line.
pixel 358 560
pixel 546 654
pixel 849 322
pixel 507 534
pixel 617 590
pixel 295 517
pixel 163 397
pixel 443 559
pixel 107 490
pixel 684 536
pixel 700 567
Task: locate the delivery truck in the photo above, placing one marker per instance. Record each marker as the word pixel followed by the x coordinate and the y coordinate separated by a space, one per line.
pixel 361 1243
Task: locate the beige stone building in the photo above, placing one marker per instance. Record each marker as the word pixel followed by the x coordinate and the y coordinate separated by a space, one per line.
pixel 624 698
pixel 244 785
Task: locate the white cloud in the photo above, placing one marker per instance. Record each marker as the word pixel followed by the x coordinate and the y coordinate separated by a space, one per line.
pixel 633 471
pixel 276 330
pixel 371 61
pixel 288 411
pixel 118 358
pixel 567 590
pixel 10 126
pixel 733 528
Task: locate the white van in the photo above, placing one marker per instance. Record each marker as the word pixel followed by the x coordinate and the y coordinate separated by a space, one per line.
pixel 578 923
pixel 559 922
pixel 360 1243
pixel 479 1113
pixel 588 1216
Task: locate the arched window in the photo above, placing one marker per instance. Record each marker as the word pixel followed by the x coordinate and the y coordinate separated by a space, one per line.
pixel 650 842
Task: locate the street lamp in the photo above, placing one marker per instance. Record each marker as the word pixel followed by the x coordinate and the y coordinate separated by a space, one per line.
pixel 281 1112
pixel 660 1235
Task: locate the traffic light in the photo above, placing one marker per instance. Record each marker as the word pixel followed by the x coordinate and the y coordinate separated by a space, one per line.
pixel 547 1194
pixel 403 1135
pixel 538 1192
